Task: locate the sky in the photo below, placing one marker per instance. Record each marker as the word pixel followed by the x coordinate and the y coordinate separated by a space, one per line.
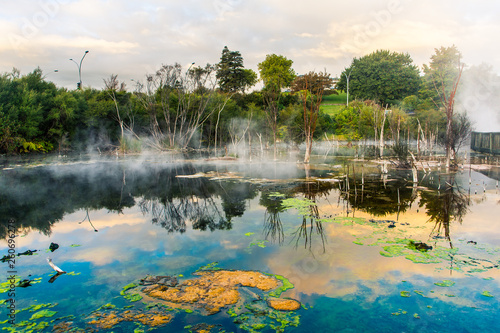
pixel 134 38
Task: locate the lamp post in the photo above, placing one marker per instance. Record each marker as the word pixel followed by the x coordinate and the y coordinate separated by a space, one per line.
pixel 348 77
pixel 79 84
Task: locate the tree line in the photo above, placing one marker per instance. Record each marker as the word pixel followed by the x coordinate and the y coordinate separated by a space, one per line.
pixel 212 106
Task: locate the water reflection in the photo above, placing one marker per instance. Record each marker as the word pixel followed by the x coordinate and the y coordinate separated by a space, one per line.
pixel 311 222
pixel 176 196
pixel 379 195
pixel 445 207
pixel 273 226
pixel 38 198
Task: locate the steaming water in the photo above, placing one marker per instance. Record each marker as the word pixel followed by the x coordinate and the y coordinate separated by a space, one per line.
pixel 116 222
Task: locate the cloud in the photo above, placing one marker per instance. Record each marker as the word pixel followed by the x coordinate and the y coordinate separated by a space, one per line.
pixel 132 38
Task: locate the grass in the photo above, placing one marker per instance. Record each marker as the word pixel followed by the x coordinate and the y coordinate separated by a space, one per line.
pixel 341 98
pixel 332 103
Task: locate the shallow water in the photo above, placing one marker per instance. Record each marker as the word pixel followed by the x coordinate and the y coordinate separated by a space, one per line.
pixel 338 230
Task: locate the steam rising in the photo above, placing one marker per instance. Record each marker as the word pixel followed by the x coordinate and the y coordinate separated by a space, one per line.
pixel 479 96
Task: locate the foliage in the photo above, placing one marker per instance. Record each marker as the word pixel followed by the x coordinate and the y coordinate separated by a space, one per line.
pixel 31 113
pixel 276 72
pixel 383 76
pixel 401 151
pixel 460 132
pixel 440 74
pixel 231 74
pixel 178 108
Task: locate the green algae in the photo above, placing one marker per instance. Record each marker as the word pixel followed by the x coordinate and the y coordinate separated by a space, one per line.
pixel 106 306
pixel 445 283
pixel 127 287
pixel 133 297
pixel 393 251
pixel 5 286
pixel 286 284
pixel 276 195
pixel 209 267
pixel 423 258
pixel 259 243
pixel 302 205
pixel 36 307
pixel 43 313
pixel 27 327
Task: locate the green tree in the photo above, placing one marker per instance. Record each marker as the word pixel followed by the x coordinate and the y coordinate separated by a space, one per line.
pixel 276 73
pixel 27 105
pixel 383 76
pixel 232 75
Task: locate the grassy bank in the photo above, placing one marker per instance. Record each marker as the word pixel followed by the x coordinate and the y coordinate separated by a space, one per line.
pixel 332 103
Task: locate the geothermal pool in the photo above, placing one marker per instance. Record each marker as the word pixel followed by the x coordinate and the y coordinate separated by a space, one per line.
pixel 361 250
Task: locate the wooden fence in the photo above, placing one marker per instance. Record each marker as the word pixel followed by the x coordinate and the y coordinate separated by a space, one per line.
pixel 485 142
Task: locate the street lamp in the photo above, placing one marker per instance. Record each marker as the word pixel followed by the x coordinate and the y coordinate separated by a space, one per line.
pixel 348 77
pixel 79 84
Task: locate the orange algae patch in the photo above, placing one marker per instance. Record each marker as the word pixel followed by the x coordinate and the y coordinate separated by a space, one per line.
pixel 283 304
pixel 109 320
pixel 66 326
pixel 213 290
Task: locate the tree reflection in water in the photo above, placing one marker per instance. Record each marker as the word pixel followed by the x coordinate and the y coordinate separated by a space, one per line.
pixel 37 198
pixel 87 218
pixel 273 227
pixel 311 223
pixel 445 207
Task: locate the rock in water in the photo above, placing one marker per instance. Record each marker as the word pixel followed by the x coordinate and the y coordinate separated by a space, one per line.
pixel 53 247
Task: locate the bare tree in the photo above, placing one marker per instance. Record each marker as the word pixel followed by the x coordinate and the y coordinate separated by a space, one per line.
pixel 178 103
pixel 310 88
pixel 114 88
pixel 444 73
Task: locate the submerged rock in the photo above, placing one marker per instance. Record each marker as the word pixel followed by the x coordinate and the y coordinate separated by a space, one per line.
pixel 24 283
pixel 27 253
pixel 283 304
pixel 170 281
pixel 53 247
pixel 419 246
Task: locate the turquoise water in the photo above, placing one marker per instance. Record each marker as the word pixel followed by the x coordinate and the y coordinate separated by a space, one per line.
pixel 345 246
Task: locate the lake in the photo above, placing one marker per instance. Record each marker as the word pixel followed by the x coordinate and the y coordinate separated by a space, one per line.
pixel 156 243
